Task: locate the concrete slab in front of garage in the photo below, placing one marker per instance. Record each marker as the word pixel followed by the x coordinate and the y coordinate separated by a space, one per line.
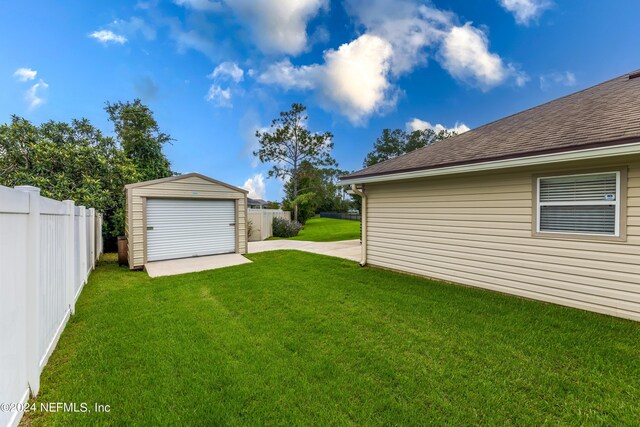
pixel 347 249
pixel 192 265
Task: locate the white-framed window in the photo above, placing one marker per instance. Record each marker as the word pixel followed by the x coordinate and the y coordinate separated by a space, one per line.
pixel 579 204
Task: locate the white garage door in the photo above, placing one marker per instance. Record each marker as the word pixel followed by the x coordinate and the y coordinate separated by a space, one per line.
pixel 179 228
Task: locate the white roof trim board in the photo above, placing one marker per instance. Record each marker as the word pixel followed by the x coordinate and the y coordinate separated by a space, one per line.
pixel 593 153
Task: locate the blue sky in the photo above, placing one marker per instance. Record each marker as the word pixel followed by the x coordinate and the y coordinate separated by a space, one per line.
pixel 214 71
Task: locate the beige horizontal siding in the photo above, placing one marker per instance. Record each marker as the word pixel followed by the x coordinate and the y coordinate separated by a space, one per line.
pixel 243 239
pixel 477 230
pixel 188 187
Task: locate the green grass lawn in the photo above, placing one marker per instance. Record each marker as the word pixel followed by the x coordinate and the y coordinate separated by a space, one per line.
pixel 327 230
pixel 303 339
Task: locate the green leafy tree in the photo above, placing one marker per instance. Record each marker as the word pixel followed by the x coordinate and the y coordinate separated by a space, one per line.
pixel 140 137
pixel 307 205
pixel 355 202
pixel 330 193
pixel 323 184
pixel 288 143
pixel 394 143
pixel 68 161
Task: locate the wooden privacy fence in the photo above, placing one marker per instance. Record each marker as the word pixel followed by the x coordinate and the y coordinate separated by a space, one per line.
pixel 261 222
pixel 47 250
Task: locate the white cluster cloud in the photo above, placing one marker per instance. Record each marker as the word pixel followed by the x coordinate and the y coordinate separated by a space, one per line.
pixel 34 96
pixel 25 74
pixel 409 28
pixel 565 78
pixel 255 186
pixel 219 96
pixel 417 124
pixel 288 76
pixel 357 79
pixel 415 31
pixel 108 36
pixel 224 72
pixel 228 70
pixel 118 30
pixel 465 55
pixel 201 5
pixel 278 26
pixel 352 78
pixel 526 11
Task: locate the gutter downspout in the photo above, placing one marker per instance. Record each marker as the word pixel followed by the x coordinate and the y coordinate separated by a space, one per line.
pixel 361 193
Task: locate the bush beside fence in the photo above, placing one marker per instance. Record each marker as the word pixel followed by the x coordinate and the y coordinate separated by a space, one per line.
pixel 47 250
pixel 341 215
pixel 285 228
pixel 262 220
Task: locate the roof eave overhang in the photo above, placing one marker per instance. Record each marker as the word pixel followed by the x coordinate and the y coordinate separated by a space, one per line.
pixel 566 156
pixel 179 177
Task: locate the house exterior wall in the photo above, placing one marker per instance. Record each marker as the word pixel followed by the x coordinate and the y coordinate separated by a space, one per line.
pixel 478 230
pixel 191 187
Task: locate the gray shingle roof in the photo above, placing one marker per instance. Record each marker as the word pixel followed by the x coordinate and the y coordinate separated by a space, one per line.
pixel 605 114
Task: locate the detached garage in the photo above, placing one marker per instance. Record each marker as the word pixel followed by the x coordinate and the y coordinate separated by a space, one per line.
pixel 184 216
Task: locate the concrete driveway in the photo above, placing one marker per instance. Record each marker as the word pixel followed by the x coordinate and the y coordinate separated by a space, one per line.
pixel 192 265
pixel 347 249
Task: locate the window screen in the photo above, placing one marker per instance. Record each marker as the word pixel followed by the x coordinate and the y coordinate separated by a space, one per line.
pixel 585 204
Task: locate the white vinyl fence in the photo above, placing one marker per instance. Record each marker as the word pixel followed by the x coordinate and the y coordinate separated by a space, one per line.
pixel 47 250
pixel 261 221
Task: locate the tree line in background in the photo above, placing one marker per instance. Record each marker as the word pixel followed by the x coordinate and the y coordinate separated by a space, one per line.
pixel 302 159
pixel 76 161
pixel 394 143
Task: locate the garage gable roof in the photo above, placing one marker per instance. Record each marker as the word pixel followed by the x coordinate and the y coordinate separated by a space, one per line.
pixel 604 115
pixel 179 177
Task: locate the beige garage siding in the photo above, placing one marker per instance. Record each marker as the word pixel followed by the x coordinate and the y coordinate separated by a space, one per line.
pixel 477 230
pixel 193 187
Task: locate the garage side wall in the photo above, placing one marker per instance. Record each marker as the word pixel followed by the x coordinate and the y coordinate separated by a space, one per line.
pixel 188 187
pixel 477 230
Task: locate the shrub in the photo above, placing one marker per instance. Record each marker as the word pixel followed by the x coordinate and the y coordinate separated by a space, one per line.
pixel 285 228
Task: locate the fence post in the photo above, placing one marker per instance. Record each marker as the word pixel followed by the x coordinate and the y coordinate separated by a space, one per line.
pixel 82 242
pixel 92 237
pixel 96 240
pixel 32 322
pixel 71 267
pixel 101 235
pixel 98 233
pixel 266 226
pixel 101 244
